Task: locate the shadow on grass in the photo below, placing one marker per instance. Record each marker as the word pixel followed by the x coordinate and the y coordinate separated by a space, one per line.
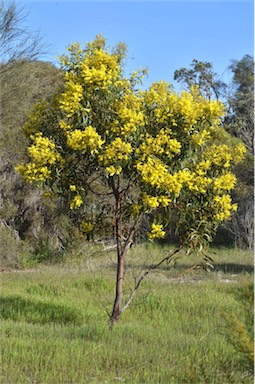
pixel 19 309
pixel 230 268
pixel 233 268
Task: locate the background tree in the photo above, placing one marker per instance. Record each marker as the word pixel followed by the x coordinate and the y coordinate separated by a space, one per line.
pixel 137 150
pixel 240 118
pixel 239 122
pixel 17 42
pixel 202 75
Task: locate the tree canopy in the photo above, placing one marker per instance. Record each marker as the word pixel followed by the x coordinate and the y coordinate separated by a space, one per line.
pixel 141 151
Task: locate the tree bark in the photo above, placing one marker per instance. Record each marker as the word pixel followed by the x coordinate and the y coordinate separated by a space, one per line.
pixel 122 249
pixel 117 306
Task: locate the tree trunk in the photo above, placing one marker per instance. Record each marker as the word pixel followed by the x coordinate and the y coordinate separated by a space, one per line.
pixel 117 306
pixel 122 249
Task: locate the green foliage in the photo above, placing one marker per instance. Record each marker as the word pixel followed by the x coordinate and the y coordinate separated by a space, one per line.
pixel 240 330
pixel 202 75
pixel 42 222
pixel 15 253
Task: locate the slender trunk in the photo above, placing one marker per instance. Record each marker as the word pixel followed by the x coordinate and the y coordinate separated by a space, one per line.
pixel 122 249
pixel 117 307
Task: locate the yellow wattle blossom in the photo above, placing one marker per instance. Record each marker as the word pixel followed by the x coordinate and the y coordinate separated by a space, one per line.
pixel 187 110
pixel 164 201
pixel 161 144
pixel 225 182
pixel 117 151
pixel 219 155
pixel 112 170
pixel 99 69
pixel 72 188
pixel 199 138
pixel 155 201
pixel 86 227
pixel 239 153
pixel 153 172
pixel 72 96
pixel 203 166
pixel 136 209
pixel 156 232
pixel 172 184
pixel 76 202
pixel 129 110
pixel 87 140
pixel 223 207
pixel 184 175
pixel 33 173
pixel 43 151
pixel 198 183
pixel 64 125
pixel 150 201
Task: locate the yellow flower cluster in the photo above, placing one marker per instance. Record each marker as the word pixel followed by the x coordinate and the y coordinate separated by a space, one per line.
pixel 225 182
pixel 161 144
pixel 156 232
pixel 155 201
pixel 86 226
pixel 157 94
pixel 76 55
pixel 223 207
pixel 43 151
pixel 88 140
pixel 239 152
pixel 155 173
pixel 185 110
pixel 223 155
pixel 219 155
pixel 199 183
pixel 130 114
pixel 99 69
pixel 199 138
pixel 71 98
pixel 64 125
pixel 76 202
pixel 117 151
pixel 32 172
pixel 113 170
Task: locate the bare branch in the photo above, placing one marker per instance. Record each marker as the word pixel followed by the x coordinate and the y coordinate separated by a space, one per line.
pixel 151 268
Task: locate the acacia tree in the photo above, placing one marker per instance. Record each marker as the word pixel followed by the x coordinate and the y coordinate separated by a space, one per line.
pixel 139 150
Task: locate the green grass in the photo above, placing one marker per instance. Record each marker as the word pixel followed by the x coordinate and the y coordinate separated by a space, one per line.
pixel 55 324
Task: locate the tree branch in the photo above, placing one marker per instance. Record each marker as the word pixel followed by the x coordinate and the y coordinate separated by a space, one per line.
pixel 151 268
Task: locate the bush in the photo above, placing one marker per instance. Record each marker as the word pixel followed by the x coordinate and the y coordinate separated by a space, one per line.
pixel 240 330
pixel 15 253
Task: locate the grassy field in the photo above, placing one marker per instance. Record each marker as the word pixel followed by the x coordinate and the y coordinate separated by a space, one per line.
pixel 180 327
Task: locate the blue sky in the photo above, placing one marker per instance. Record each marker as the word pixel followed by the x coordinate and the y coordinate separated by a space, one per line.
pixel 160 35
